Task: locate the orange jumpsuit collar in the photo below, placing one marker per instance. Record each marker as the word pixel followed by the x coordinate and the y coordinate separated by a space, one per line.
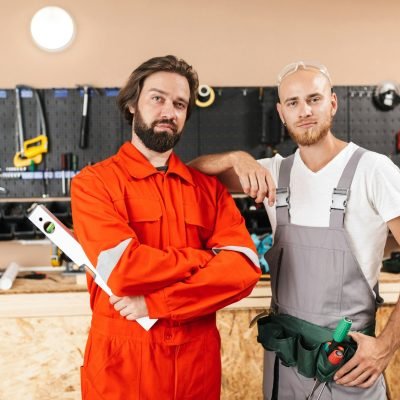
pixel 139 166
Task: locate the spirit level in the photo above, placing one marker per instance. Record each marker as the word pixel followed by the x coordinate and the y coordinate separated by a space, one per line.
pixel 62 237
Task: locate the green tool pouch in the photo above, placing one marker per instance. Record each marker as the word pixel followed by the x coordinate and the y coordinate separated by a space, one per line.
pixel 300 343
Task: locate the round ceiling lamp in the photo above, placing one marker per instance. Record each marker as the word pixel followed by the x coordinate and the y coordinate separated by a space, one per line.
pixel 52 29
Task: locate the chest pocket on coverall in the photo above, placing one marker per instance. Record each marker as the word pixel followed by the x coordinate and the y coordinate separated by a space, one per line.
pixel 199 223
pixel 144 215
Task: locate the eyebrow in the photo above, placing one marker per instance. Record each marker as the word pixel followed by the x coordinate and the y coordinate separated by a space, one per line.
pixel 166 94
pixel 310 96
pixel 314 94
pixel 290 99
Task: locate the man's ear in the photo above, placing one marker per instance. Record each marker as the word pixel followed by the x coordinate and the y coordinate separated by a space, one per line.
pixel 279 109
pixel 334 103
pixel 131 109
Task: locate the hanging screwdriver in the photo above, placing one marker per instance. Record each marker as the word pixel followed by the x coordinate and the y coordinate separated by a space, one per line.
pixel 340 333
pixel 83 139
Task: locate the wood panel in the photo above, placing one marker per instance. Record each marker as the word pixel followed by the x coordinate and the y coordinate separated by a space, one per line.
pixel 40 357
pixel 392 371
pixel 43 336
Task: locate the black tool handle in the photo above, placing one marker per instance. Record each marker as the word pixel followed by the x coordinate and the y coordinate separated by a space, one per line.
pixel 83 139
pixel 83 135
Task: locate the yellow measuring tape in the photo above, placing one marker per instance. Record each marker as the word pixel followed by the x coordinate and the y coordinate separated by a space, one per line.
pixel 205 96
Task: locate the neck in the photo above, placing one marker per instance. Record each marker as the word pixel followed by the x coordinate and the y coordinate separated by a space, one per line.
pixel 156 159
pixel 316 156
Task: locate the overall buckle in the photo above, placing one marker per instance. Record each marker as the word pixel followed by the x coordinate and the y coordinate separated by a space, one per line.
pixel 282 197
pixel 339 199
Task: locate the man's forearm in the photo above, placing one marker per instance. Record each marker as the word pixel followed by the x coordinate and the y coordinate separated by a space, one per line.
pixel 213 164
pixel 238 171
pixel 390 335
pixel 222 165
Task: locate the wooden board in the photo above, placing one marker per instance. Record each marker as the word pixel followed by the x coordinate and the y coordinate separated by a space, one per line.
pixel 392 371
pixel 55 282
pixel 40 357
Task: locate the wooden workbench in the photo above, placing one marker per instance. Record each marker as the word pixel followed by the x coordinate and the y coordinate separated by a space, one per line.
pixel 44 325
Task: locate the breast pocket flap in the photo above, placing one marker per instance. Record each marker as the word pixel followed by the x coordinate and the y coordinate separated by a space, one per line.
pixel 143 209
pixel 199 216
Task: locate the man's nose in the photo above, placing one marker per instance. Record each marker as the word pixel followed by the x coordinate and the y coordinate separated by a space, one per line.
pixel 168 110
pixel 305 110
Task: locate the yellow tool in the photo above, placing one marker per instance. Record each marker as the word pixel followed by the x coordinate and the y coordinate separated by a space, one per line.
pixel 56 256
pixel 31 149
pixel 20 161
pixel 35 146
pixel 205 96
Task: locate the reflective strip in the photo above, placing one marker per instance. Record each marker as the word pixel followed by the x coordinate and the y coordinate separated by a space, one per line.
pixel 108 259
pixel 249 253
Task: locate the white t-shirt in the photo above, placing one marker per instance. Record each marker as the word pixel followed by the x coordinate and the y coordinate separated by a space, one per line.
pixel 374 200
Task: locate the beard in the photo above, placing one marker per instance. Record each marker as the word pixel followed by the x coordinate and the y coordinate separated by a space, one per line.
pixel 312 135
pixel 157 141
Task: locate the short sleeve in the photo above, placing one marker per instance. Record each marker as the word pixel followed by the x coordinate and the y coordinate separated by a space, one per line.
pixel 272 164
pixel 385 188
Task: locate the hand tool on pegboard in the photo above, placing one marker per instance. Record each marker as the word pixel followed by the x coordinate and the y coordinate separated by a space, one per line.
pixel 205 96
pixel 31 149
pixel 83 137
pixel 398 142
pixel 387 95
pixel 272 131
pixel 84 131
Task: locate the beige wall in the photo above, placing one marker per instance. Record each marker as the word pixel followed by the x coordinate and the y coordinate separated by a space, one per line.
pixel 230 42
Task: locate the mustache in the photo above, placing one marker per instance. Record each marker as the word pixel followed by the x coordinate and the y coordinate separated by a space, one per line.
pixel 164 121
pixel 306 121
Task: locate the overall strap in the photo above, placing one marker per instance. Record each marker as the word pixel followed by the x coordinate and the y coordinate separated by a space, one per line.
pixel 283 191
pixel 341 193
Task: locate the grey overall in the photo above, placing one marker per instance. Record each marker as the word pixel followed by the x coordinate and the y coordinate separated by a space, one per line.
pixel 315 277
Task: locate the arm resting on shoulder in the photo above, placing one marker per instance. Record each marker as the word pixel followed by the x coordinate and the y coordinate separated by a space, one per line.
pixel 239 171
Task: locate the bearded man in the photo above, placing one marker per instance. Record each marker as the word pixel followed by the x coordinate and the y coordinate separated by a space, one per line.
pixel 139 216
pixel 335 203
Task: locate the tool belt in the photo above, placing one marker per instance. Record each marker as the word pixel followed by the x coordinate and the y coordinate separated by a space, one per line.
pixel 300 343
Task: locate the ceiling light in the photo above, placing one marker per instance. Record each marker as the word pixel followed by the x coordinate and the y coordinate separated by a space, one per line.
pixel 52 29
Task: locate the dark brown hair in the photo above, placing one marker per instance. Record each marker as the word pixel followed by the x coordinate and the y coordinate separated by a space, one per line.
pixel 129 94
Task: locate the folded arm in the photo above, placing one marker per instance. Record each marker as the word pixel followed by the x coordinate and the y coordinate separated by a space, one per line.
pixel 128 267
pixel 229 276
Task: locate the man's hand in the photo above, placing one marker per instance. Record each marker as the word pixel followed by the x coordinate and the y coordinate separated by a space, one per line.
pixel 256 181
pixel 130 307
pixel 363 369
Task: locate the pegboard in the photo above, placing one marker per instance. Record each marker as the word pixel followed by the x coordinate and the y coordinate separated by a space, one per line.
pixel 370 128
pixel 240 118
pixel 233 121
pixel 63 110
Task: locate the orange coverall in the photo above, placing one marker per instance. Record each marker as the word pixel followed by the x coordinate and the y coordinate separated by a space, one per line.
pixel 153 234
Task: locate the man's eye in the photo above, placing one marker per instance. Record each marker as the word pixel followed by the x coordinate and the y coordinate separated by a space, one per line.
pixel 291 103
pixel 315 99
pixel 157 98
pixel 180 106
